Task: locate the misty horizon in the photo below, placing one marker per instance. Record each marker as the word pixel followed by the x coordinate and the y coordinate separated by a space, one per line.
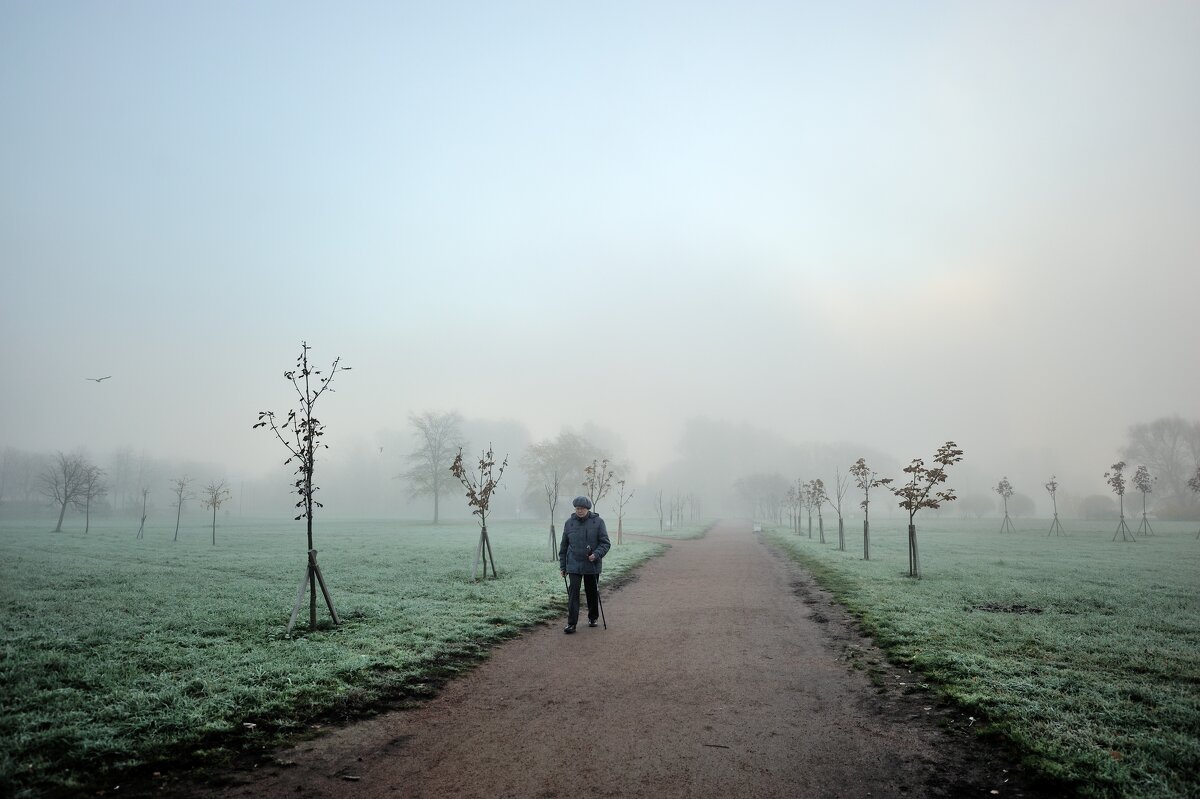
pixel 867 229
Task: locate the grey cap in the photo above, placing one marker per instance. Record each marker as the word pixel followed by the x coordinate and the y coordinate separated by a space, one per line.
pixel 583 502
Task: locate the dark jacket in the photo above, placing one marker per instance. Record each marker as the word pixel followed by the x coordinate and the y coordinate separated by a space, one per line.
pixel 578 535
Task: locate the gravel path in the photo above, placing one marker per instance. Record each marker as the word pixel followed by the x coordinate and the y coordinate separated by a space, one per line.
pixel 723 673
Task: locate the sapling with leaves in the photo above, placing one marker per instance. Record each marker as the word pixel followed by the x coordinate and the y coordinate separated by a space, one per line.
pixel 215 495
pixel 866 479
pixel 921 491
pixel 597 481
pixel 1115 477
pixel 1052 489
pixel 623 498
pixel 182 495
pixel 300 433
pixel 809 498
pixel 1194 484
pixel 1145 484
pixel 480 485
pixel 1005 490
pixel 818 497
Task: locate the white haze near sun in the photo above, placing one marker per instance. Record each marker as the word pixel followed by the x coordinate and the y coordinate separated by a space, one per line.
pixel 878 224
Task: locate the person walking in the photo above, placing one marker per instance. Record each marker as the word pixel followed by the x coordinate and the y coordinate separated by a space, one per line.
pixel 584 545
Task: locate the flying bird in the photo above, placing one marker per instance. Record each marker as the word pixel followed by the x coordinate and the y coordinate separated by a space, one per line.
pixel 98 379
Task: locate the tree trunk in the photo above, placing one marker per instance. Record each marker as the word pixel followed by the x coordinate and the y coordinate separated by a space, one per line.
pixel 178 513
pixel 821 527
pixel 61 513
pixel 620 529
pixel 866 539
pixel 553 542
pixel 435 505
pixel 214 524
pixel 914 558
pixel 841 535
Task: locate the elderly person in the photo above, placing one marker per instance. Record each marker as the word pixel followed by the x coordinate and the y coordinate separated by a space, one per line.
pixel 584 545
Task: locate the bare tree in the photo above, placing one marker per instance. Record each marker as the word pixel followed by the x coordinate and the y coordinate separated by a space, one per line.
pixel 1145 484
pixel 792 501
pixel 300 433
pixel 437 439
pixel 1115 478
pixel 94 489
pixel 181 495
pixel 145 502
pixel 1168 446
pixel 622 500
pixel 597 481
pixel 1052 489
pixel 547 463
pixel 658 506
pixel 215 495
pixel 919 493
pixel 64 482
pixel 865 479
pixel 819 496
pixel 841 484
pixel 480 485
pixel 1005 490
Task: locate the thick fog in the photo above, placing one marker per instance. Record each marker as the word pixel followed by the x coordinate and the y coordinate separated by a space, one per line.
pixel 714 238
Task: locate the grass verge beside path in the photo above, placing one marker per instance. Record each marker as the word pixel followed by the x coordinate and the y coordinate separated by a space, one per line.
pixel 122 654
pixel 1083 651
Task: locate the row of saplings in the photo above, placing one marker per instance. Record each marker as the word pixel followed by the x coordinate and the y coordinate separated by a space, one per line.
pixel 922 491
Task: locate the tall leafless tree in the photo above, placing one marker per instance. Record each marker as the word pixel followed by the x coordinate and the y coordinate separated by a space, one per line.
pixel 300 433
pixel 919 492
pixel 866 479
pixel 182 495
pixel 64 482
pixel 548 463
pixel 480 484
pixel 215 495
pixel 1144 483
pixel 437 438
pixel 1169 446
pixel 658 506
pixel 94 489
pixel 1005 490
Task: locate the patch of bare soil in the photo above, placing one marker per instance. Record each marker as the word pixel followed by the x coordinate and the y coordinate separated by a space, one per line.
pixel 724 672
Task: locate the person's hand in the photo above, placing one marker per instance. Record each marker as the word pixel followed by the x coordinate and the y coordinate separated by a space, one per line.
pixel 592 558
pixel 563 572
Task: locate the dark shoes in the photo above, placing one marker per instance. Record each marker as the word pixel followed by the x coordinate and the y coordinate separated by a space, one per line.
pixel 570 628
pixel 591 622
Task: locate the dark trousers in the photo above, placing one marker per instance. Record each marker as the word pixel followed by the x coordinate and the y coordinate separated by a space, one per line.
pixel 593 597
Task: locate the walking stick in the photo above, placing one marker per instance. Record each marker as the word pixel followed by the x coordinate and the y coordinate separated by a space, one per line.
pixel 598 599
pixel 601 601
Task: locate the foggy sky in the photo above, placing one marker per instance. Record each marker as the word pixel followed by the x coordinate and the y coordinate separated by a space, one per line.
pixel 888 224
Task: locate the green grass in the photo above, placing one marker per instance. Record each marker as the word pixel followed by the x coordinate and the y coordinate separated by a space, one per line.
pixel 120 654
pixel 1083 651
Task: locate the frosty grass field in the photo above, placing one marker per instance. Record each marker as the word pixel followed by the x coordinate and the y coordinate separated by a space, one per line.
pixel 1084 651
pixel 120 653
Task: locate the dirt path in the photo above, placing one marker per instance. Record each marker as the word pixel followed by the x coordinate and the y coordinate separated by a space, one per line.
pixel 723 673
